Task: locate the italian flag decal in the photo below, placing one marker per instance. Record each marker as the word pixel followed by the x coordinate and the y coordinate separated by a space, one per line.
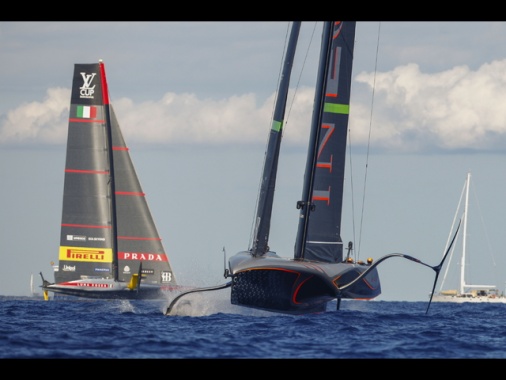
pixel 86 112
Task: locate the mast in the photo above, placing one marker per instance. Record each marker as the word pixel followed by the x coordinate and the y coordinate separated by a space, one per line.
pixel 306 205
pixel 464 237
pixel 266 198
pixel 319 230
pixel 112 185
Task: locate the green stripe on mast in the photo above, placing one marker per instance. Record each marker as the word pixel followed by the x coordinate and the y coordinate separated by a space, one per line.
pixel 337 108
pixel 277 125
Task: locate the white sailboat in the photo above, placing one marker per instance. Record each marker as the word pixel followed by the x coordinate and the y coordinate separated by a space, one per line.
pixel 466 292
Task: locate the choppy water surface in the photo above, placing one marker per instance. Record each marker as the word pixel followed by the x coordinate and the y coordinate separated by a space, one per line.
pixel 209 327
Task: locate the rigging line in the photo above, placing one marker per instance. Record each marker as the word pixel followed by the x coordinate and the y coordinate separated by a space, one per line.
pixel 369 140
pixel 289 103
pixel 476 202
pixel 458 213
pixel 292 102
pixel 253 221
pixel 484 230
pixel 280 73
pixel 350 160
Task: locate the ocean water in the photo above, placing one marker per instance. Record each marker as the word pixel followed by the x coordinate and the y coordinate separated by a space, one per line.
pixel 208 327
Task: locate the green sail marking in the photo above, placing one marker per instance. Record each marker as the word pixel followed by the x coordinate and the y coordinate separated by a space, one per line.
pixel 277 125
pixel 336 108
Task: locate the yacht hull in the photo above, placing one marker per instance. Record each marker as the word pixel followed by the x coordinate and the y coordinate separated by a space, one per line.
pixel 109 289
pixel 293 286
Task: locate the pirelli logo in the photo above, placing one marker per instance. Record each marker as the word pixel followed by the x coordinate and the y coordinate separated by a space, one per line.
pixel 95 255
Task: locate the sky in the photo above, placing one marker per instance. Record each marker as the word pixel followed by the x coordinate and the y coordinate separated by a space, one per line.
pixel 195 102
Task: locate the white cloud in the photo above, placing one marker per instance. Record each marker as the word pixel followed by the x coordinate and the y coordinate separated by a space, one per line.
pixel 453 109
pixel 38 122
pixel 176 118
pixel 413 111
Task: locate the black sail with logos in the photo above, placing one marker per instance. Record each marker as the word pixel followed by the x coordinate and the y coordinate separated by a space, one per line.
pixel 109 244
pixel 86 240
pixel 319 233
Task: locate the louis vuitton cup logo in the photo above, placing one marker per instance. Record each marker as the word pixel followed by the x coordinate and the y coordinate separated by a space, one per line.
pixel 86 90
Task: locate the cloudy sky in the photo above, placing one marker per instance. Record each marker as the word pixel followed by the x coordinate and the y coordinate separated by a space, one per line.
pixel 195 101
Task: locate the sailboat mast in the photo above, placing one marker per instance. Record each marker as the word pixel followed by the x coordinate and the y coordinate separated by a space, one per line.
pixel 306 204
pixel 464 237
pixel 266 198
pixel 112 185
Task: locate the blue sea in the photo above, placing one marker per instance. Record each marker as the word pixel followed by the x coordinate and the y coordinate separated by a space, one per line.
pixel 210 328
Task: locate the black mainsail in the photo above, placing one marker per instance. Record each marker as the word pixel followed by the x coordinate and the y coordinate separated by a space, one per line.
pixel 109 244
pixel 319 232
